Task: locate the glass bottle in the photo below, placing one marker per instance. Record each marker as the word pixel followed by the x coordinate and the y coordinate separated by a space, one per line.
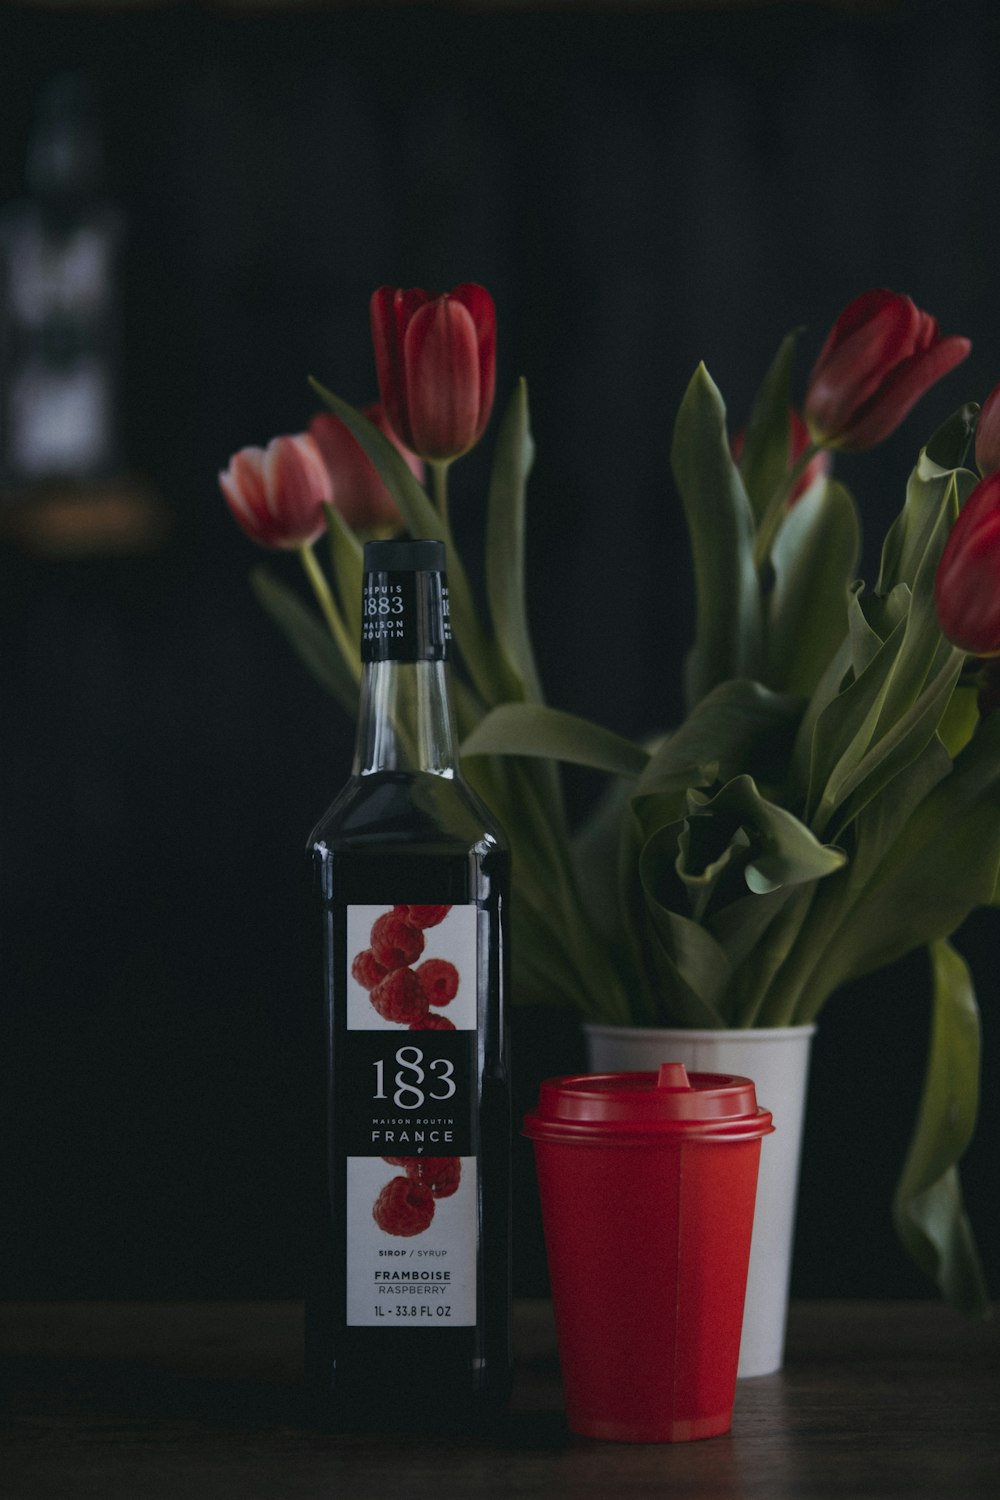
pixel 408 1307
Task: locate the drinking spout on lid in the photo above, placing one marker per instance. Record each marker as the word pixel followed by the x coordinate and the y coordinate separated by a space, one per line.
pixel 672 1076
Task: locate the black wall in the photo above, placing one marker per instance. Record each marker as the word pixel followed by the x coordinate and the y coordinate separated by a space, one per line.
pixel 640 188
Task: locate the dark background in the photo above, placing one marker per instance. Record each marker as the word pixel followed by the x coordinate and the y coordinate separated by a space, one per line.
pixel 640 187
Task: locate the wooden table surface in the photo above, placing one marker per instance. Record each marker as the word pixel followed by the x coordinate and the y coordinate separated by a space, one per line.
pixel 193 1401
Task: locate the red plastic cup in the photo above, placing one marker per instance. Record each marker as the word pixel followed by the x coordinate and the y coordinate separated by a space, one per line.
pixel 647 1184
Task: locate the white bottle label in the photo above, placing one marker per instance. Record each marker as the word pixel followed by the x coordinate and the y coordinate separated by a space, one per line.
pixel 410 1056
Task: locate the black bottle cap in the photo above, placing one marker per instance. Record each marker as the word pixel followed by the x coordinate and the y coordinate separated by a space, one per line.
pixel 415 556
pixel 404 602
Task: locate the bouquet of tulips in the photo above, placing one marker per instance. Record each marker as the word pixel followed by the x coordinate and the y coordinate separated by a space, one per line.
pixel 831 800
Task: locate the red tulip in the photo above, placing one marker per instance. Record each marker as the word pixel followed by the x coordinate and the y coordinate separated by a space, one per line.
pixel 358 491
pixel 798 442
pixel 436 364
pixel 882 354
pixel 988 434
pixel 967 587
pixel 277 493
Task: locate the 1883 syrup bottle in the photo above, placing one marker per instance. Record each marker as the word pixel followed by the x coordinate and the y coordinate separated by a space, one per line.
pixel 408 1314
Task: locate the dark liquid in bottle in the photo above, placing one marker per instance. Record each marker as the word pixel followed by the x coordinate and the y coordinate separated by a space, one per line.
pixel 423 840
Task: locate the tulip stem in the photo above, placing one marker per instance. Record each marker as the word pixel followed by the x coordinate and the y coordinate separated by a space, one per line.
pixel 778 504
pixel 331 613
pixel 441 487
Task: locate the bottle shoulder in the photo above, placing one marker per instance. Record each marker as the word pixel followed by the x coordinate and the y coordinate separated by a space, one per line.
pixel 407 809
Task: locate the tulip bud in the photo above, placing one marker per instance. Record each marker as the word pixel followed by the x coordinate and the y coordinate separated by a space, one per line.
pixel 967 586
pixel 880 357
pixel 436 364
pixel 988 434
pixel 798 442
pixel 277 493
pixel 359 492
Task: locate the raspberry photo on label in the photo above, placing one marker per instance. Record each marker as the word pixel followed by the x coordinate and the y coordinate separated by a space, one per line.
pixel 400 997
pixel 367 970
pixel 441 1174
pixel 433 953
pixel 426 916
pixel 439 979
pixel 404 1207
pixel 396 942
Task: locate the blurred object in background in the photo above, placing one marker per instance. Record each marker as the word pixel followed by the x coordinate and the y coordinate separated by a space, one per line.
pixel 64 488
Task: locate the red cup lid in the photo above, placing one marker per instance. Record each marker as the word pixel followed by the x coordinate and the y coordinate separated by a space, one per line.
pixel 669 1103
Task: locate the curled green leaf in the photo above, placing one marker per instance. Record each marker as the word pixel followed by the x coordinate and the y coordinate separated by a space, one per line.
pixel 781 850
pixel 928 1212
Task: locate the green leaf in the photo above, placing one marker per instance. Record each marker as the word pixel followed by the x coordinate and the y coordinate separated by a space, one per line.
pixel 308 636
pixel 741 925
pixel 908 537
pixel 535 730
pixel 417 511
pixel 691 967
pixel 950 446
pixel 597 856
pixel 814 557
pixel 922 647
pixel 757 982
pixel 943 863
pixel 899 747
pixel 928 1213
pixel 764 460
pixel 842 732
pixel 873 618
pixel 738 726
pixel 423 520
pixel 814 755
pixel 885 815
pixel 782 851
pixel 960 718
pixel 711 854
pixel 905 673
pixel 505 544
pixel 347 563
pixel 543 973
pixel 727 845
pixel 910 680
pixel 728 619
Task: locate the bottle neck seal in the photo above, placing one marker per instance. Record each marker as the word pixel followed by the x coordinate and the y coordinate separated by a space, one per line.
pixel 404 615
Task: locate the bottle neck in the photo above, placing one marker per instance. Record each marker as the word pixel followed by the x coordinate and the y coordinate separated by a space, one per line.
pixel 405 720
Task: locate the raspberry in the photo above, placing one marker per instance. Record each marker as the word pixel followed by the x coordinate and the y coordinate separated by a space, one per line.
pixel 395 941
pixel 432 1022
pixel 441 1174
pixel 367 970
pixel 427 916
pixel 403 1207
pixel 439 978
pixel 400 997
